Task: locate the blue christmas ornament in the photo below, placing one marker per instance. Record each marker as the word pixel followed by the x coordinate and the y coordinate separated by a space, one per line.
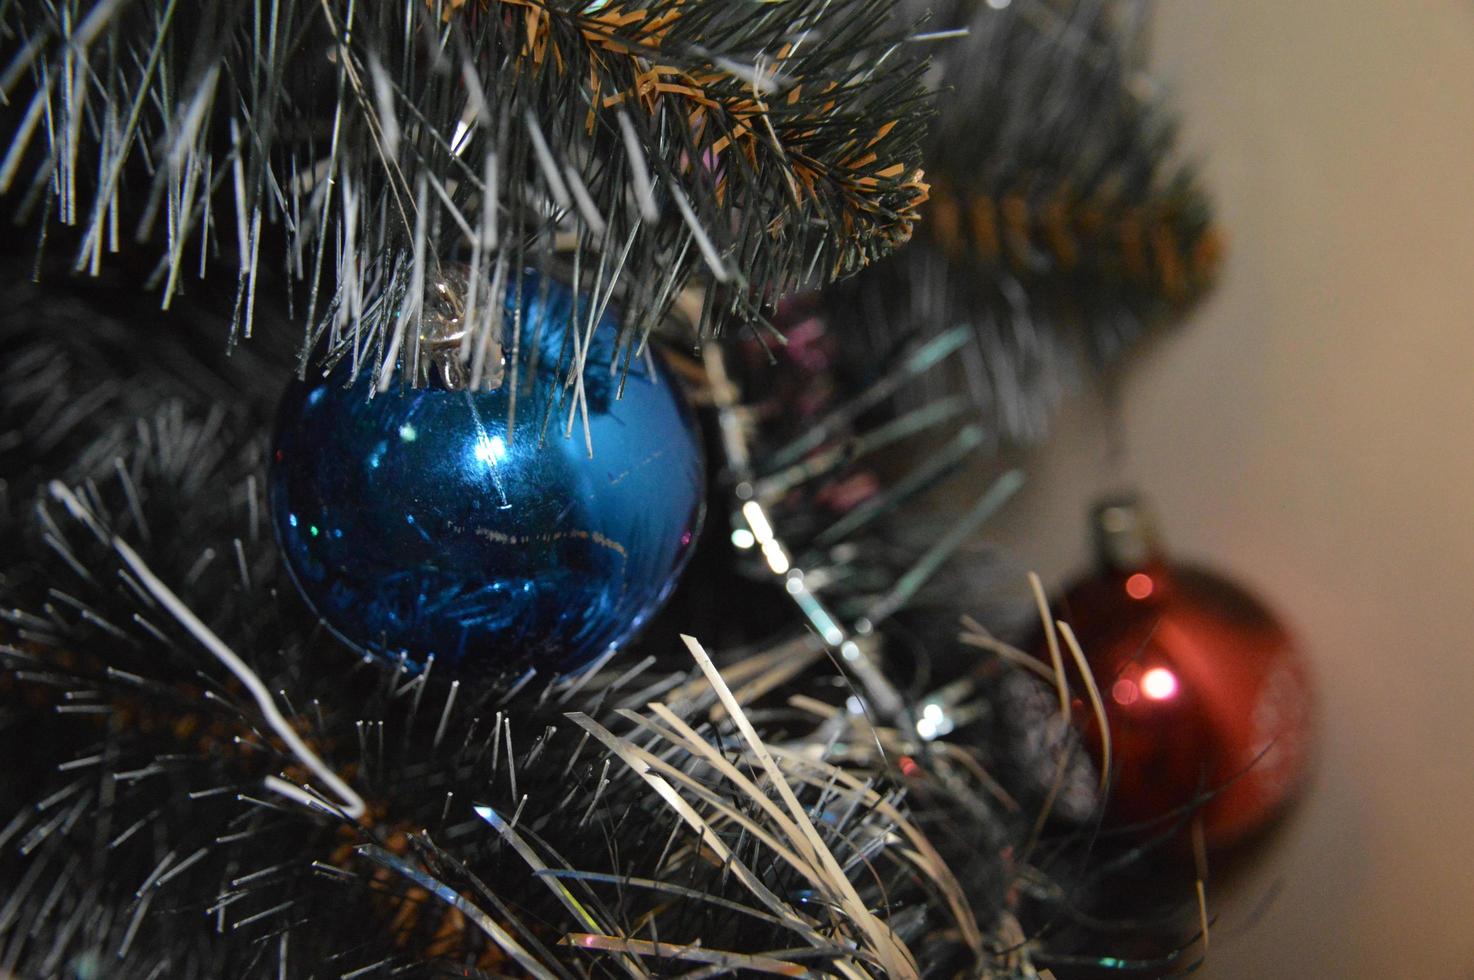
pixel 417 524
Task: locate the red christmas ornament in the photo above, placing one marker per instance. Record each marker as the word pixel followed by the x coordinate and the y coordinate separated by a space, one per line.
pixel 1204 689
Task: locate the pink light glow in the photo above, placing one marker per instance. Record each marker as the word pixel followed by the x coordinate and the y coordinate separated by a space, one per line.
pixel 1159 683
pixel 1124 691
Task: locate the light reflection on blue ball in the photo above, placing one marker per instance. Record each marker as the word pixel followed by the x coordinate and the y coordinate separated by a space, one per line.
pixel 416 525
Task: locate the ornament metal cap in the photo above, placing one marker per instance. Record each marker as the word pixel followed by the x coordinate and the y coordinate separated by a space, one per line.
pixel 446 335
pixel 1125 531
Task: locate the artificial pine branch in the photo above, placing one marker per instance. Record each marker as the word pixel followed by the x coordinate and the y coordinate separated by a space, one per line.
pixel 1061 225
pixel 764 146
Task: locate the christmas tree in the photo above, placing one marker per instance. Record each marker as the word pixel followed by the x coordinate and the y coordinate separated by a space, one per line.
pixel 392 675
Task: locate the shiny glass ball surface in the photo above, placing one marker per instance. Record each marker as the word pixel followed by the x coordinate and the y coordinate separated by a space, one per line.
pixel 419 523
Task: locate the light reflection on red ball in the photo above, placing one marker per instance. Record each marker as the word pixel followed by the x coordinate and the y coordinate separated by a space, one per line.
pixel 1208 694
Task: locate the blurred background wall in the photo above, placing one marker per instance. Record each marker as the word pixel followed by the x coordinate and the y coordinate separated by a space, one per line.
pixel 1311 431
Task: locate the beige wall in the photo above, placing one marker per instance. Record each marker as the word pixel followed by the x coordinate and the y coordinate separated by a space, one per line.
pixel 1311 430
